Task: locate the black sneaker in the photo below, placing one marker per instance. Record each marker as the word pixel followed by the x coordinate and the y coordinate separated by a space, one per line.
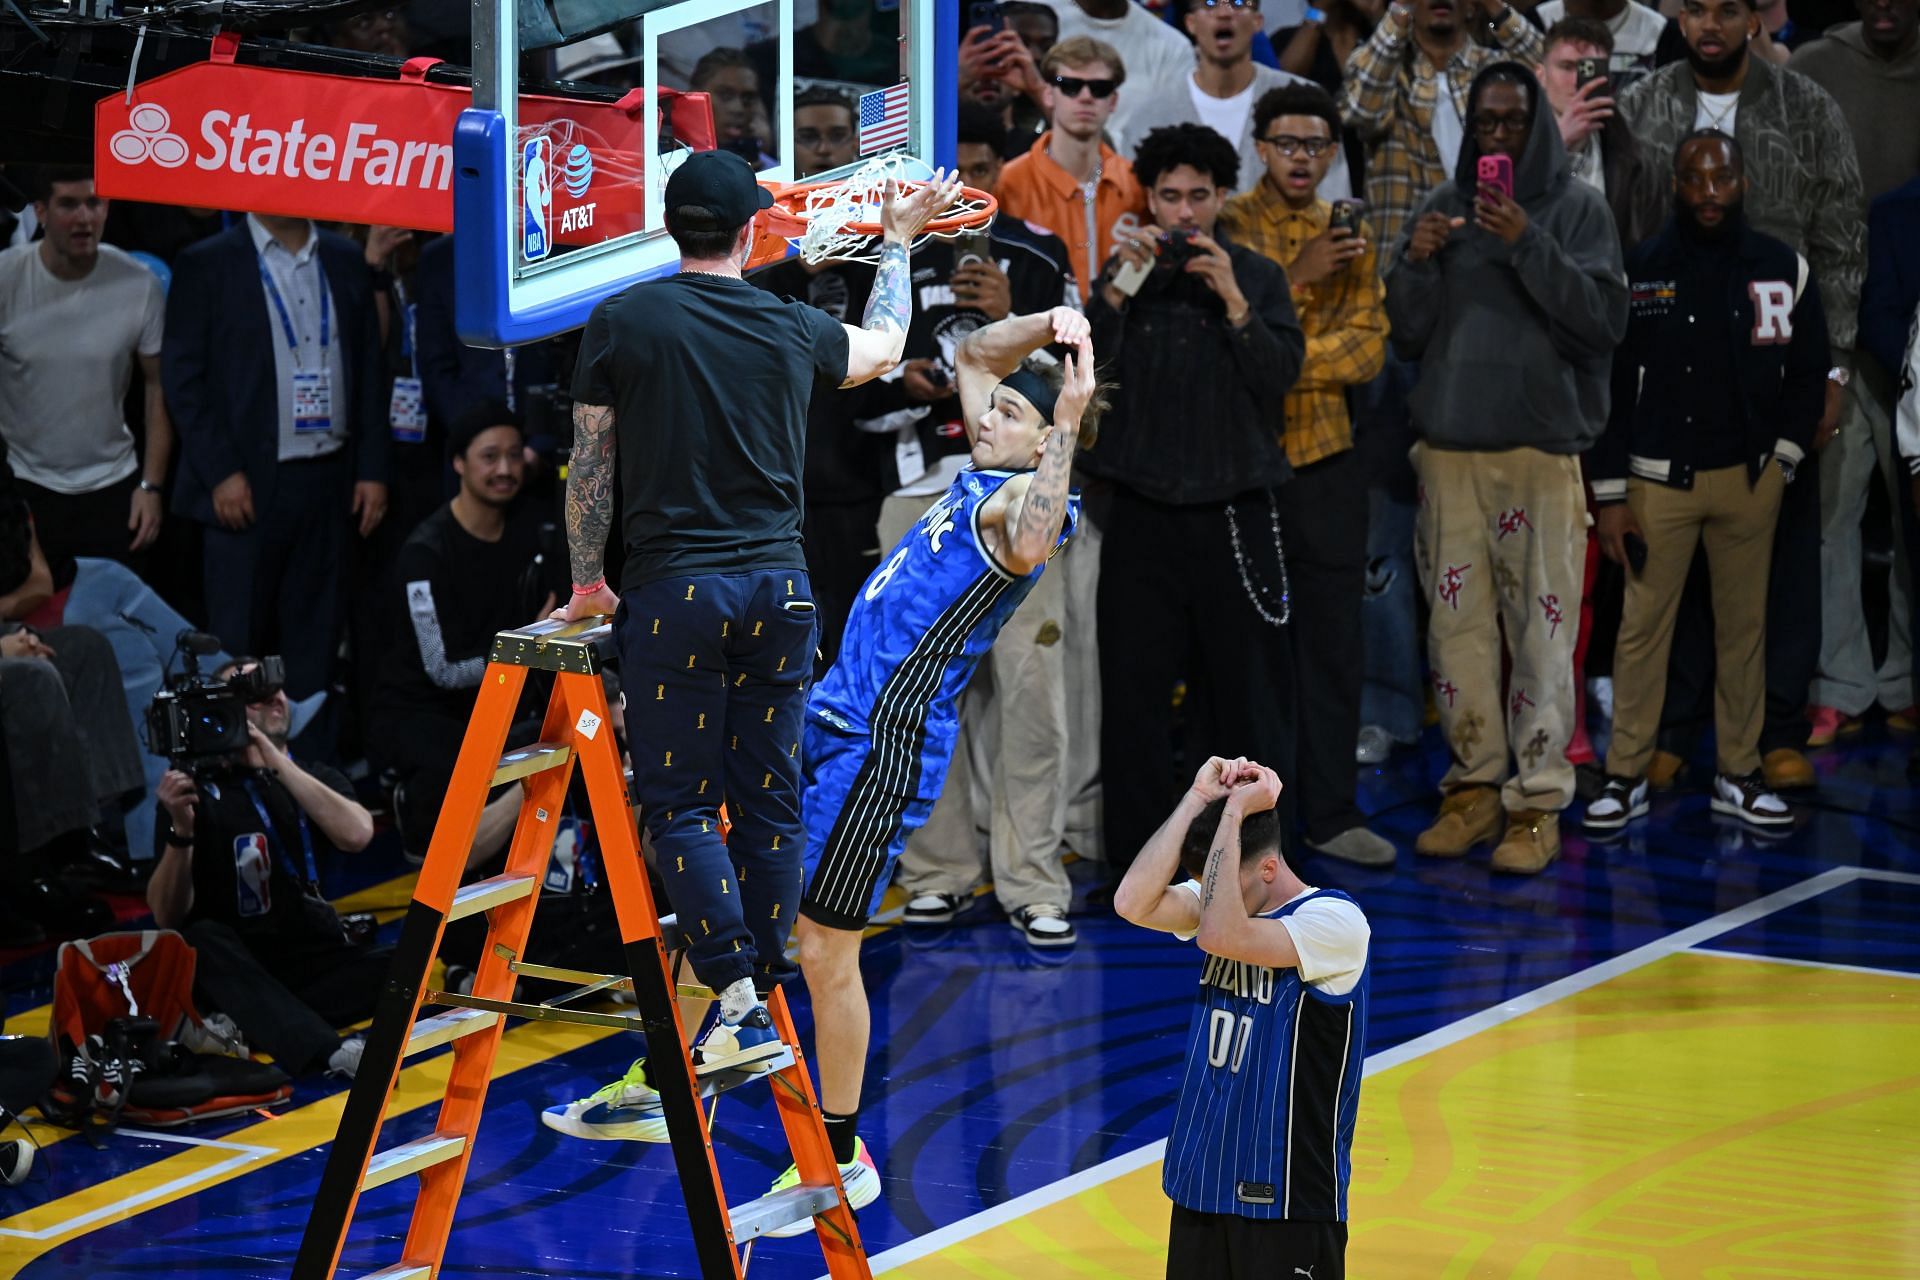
pixel 1750 800
pixel 1620 801
pixel 932 908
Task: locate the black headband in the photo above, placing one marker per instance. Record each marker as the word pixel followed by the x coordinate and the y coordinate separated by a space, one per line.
pixel 1034 388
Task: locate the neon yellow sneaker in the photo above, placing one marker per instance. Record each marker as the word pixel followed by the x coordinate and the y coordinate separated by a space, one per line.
pixel 627 1110
pixel 861 1178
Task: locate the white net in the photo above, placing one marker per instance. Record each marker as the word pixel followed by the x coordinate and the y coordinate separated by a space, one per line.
pixel 829 212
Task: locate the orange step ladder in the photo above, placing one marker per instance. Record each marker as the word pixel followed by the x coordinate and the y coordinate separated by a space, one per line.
pixel 576 731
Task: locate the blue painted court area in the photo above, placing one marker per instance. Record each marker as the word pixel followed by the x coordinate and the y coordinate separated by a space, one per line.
pixel 997 1071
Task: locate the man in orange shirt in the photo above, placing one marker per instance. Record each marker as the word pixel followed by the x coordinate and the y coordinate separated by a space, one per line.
pixel 1073 183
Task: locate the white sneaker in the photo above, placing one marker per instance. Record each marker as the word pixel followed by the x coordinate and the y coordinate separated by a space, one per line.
pixel 1620 801
pixel 1043 925
pixel 1375 745
pixel 345 1061
pixel 1749 800
pixel 745 1045
pixel 628 1110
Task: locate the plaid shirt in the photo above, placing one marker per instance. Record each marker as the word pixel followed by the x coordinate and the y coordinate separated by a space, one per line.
pixel 1388 99
pixel 1344 318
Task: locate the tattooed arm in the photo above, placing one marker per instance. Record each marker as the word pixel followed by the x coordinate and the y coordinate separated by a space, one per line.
pixel 1146 896
pixel 590 510
pixel 1226 929
pixel 1033 518
pixel 874 348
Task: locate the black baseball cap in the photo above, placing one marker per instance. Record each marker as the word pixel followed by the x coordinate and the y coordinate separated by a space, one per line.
pixel 721 182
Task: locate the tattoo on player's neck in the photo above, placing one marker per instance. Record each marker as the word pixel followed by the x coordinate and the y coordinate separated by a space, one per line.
pixel 891 302
pixel 590 491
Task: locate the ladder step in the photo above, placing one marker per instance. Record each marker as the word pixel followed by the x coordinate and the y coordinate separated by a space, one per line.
pixel 671 938
pixel 537 757
pixel 725 1081
pixel 412 1157
pixel 401 1271
pixel 485 895
pixel 444 1028
pixel 781 1209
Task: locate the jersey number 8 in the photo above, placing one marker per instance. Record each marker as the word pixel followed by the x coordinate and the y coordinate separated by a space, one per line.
pixel 878 583
pixel 1224 1039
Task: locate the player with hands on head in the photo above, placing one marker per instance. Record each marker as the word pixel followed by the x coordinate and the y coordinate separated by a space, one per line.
pixel 882 723
pixel 1260 1156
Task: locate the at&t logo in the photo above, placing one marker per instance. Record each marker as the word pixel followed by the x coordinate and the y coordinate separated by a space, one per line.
pixel 151 137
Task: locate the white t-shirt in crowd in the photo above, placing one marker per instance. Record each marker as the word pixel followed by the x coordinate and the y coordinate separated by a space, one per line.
pixel 1152 53
pixel 1636 32
pixel 1225 116
pixel 1717 111
pixel 66 360
pixel 1331 936
pixel 1449 131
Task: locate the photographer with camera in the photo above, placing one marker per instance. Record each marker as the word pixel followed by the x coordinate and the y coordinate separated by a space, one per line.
pixel 1193 580
pixel 239 875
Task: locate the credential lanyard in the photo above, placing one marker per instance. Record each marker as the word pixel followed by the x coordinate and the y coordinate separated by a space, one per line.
pixel 306 836
pixel 286 317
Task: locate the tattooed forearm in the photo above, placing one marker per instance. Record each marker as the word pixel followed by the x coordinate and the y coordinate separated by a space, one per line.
pixel 891 303
pixel 1214 859
pixel 1045 506
pixel 590 492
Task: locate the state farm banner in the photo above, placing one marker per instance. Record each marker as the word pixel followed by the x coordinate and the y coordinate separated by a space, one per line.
pixel 219 135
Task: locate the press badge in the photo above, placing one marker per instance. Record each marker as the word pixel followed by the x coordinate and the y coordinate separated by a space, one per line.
pixel 407 412
pixel 312 402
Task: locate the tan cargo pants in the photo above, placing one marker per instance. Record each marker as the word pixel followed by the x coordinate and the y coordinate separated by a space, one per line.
pixel 1735 521
pixel 1501 547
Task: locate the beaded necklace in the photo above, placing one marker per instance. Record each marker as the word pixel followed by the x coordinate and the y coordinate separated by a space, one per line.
pixel 1255 594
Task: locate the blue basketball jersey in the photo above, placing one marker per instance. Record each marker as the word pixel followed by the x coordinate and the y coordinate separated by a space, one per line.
pixel 918 630
pixel 1264 1123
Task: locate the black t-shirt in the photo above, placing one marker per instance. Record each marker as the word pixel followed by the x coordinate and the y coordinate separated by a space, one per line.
pixel 709 378
pixel 450 594
pixel 253 875
pixel 1039 278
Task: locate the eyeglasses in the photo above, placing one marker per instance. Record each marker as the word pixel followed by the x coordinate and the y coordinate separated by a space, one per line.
pixel 365 22
pixel 1072 85
pixel 1230 4
pixel 1487 123
pixel 817 137
pixel 1288 145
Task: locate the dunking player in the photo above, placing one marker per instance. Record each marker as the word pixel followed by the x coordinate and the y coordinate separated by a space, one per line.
pixel 1260 1156
pixel 881 723
pixel 700 383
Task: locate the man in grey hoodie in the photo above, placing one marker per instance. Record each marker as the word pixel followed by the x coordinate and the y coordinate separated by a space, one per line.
pixel 1513 305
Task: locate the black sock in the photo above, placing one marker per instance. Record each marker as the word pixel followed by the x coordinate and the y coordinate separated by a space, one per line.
pixel 840 1132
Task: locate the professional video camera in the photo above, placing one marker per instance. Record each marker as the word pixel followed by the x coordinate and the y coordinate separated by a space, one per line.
pixel 197 719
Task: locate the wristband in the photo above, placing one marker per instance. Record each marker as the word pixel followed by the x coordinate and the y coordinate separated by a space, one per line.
pixel 1316 16
pixel 176 839
pixel 148 486
pixel 590 588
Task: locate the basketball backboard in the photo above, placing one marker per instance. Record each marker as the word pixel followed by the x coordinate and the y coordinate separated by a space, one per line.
pixel 556 207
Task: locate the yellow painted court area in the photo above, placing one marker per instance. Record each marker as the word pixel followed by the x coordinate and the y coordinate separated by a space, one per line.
pixel 1705 1116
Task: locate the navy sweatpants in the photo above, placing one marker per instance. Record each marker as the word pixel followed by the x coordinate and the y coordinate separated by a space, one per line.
pixel 716 668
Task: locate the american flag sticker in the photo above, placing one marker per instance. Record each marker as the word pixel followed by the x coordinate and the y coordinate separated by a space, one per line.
pixel 883 118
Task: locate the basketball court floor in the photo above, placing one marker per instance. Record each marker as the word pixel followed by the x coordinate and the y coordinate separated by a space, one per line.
pixel 1694 1052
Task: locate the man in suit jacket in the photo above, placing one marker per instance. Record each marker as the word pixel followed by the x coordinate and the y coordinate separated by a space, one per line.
pixel 274 378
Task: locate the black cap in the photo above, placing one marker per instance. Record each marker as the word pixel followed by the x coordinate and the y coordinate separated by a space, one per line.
pixel 721 182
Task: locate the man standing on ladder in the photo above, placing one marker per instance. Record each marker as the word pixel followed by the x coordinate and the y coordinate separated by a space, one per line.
pixel 699 382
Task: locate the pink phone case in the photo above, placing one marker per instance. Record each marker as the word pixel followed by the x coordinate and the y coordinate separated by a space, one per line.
pixel 1497 171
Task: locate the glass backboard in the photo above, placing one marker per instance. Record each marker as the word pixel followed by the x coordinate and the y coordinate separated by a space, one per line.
pixel 582 108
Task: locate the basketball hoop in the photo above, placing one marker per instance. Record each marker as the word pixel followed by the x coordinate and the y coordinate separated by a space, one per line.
pixel 841 220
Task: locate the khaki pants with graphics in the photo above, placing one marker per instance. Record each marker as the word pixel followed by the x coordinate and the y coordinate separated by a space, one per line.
pixel 1735 521
pixel 1501 548
pixel 1010 762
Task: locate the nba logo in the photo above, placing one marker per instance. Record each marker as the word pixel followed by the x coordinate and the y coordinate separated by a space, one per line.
pixel 252 873
pixel 536 189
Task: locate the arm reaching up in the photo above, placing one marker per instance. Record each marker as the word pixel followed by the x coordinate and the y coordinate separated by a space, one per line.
pixel 1034 518
pixel 875 346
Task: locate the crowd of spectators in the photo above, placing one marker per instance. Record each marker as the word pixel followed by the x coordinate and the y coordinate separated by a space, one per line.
pixel 1577 338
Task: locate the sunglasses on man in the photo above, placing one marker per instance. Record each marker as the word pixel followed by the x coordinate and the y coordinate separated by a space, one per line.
pixel 1072 85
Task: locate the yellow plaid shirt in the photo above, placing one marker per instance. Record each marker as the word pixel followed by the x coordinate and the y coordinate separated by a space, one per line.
pixel 1389 97
pixel 1344 318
